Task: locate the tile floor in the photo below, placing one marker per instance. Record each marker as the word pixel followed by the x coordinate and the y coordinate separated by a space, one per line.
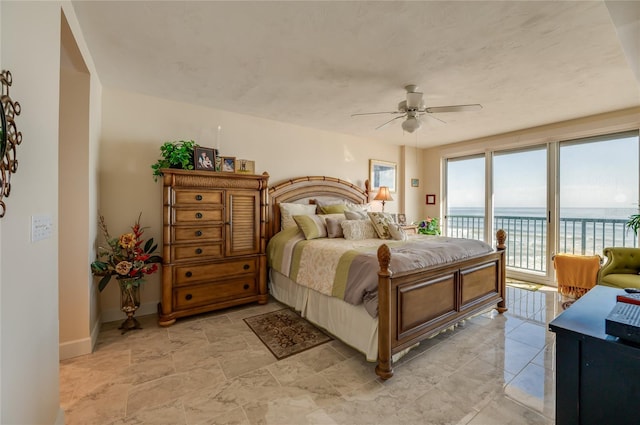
pixel 211 369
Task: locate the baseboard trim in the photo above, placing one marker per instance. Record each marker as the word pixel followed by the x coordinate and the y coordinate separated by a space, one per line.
pixel 76 348
pixel 117 314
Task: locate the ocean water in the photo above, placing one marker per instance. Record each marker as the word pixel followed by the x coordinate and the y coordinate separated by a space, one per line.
pixel 606 213
pixel 527 228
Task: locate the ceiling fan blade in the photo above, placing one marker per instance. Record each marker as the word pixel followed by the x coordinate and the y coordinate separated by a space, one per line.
pixel 392 119
pixel 377 113
pixel 435 118
pixel 454 108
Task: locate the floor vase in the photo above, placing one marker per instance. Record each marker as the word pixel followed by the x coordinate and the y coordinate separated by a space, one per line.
pixel 129 303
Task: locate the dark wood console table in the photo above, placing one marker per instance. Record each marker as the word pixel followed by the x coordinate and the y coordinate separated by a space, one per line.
pixel 597 375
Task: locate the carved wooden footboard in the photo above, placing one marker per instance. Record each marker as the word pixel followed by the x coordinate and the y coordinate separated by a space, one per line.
pixel 415 305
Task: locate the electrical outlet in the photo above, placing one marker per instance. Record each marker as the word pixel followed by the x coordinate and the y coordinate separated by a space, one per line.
pixel 41 227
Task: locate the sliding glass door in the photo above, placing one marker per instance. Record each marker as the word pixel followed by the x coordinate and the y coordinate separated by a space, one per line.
pixel 598 186
pixel 465 201
pixel 559 197
pixel 520 206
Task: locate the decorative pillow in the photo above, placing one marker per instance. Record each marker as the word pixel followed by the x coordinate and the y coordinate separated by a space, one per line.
pixel 381 222
pixel 334 227
pixel 358 207
pixel 355 215
pixel 325 217
pixel 397 232
pixel 311 225
pixel 332 209
pixel 355 230
pixel 330 206
pixel 288 210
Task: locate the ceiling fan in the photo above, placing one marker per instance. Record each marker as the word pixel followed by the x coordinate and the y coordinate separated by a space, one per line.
pixel 413 108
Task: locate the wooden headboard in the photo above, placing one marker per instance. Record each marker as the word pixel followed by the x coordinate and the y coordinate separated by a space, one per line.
pixel 301 188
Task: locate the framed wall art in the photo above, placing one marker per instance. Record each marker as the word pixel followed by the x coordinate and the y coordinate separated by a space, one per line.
pixel 415 182
pixel 431 199
pixel 382 173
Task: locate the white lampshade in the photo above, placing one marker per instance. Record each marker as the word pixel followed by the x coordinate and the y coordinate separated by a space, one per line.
pixel 411 124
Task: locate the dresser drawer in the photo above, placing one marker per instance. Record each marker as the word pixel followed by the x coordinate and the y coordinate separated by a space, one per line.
pixel 196 234
pixel 190 196
pixel 195 215
pixel 185 275
pixel 196 252
pixel 208 293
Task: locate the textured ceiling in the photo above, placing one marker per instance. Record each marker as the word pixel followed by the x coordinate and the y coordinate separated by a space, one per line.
pixel 315 63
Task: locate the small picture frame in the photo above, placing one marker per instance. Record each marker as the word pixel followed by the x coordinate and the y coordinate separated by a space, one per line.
pixel 204 158
pixel 415 182
pixel 245 166
pixel 401 219
pixel 228 164
pixel 431 199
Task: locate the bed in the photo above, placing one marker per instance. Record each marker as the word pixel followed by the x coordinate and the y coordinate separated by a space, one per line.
pixel 411 305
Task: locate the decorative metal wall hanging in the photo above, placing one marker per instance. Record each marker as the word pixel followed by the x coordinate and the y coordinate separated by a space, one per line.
pixel 10 138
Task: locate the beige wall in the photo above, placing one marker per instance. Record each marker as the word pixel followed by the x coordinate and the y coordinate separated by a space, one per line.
pixel 29 270
pixel 134 127
pixel 584 127
pixel 29 325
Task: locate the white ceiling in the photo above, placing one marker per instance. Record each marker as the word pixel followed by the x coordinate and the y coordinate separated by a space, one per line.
pixel 315 63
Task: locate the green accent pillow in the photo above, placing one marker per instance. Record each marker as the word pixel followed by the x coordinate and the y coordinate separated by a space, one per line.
pixel 333 209
pixel 312 226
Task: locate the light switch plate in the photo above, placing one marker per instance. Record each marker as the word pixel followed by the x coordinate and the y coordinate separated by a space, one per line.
pixel 41 227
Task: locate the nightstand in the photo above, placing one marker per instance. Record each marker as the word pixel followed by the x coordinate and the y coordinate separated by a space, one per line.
pixel 410 229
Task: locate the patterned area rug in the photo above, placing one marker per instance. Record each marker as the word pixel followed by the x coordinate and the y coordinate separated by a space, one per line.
pixel 285 333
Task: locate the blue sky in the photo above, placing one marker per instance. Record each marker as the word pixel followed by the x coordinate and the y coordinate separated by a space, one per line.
pixel 601 174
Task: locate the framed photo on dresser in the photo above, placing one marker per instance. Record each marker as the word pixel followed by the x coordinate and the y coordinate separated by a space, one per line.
pixel 204 158
pixel 229 164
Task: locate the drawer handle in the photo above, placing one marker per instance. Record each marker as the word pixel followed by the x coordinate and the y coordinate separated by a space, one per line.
pixel 188 274
pixel 188 297
pixel 246 267
pixel 198 215
pixel 198 232
pixel 246 286
pixel 198 250
pixel 198 197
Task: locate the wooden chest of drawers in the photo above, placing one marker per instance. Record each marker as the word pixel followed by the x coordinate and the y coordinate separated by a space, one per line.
pixel 214 242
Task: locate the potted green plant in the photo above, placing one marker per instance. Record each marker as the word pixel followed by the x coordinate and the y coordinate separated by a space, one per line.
pixel 429 226
pixel 177 154
pixel 634 223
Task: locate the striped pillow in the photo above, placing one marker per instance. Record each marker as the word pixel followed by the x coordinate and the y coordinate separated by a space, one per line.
pixel 311 225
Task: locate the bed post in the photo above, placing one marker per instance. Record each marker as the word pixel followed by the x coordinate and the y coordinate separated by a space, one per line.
pixel 501 237
pixel 384 369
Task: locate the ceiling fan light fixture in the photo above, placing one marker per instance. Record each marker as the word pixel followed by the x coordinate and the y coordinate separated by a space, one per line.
pixel 410 124
pixel 414 100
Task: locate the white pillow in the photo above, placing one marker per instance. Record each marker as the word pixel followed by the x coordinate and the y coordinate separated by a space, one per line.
pixel 355 230
pixel 288 210
pixel 397 232
pixel 355 215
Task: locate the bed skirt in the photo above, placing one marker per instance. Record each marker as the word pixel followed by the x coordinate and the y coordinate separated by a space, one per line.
pixel 349 323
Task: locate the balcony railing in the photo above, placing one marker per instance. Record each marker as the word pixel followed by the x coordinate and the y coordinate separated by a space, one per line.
pixel 527 236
